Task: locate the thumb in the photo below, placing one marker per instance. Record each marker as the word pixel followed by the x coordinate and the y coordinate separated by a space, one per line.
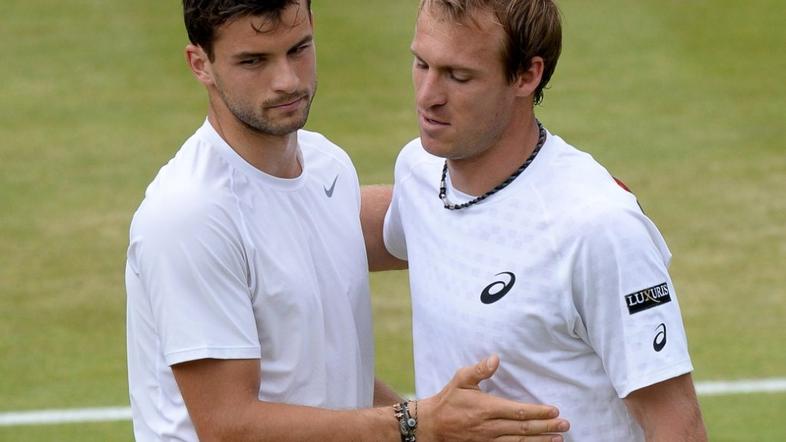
pixel 470 377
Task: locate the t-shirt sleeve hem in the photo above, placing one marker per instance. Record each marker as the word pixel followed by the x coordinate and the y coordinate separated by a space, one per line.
pixel 655 377
pixel 212 353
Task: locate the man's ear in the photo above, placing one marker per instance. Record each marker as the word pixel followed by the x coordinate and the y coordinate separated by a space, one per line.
pixel 527 81
pixel 199 63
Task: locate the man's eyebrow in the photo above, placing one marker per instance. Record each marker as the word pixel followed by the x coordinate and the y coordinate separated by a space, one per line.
pixel 248 54
pixel 448 68
pixel 307 39
pixel 252 54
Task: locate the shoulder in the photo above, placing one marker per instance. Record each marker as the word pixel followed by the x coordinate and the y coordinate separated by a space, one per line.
pixel 180 213
pixel 618 232
pixel 413 160
pixel 588 203
pixel 317 145
pixel 573 183
pixel 191 193
pixel 186 228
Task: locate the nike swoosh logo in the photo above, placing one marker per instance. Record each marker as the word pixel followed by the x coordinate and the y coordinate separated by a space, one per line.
pixel 329 191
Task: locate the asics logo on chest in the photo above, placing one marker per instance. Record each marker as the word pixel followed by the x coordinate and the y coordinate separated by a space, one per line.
pixel 498 289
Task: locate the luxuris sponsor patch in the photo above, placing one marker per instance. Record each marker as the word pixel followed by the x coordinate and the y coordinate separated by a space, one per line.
pixel 648 298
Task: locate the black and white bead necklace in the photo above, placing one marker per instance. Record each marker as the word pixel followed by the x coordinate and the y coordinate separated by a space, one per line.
pixel 443 194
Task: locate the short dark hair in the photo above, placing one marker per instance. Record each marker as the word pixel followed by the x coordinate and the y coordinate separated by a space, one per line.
pixel 532 28
pixel 203 17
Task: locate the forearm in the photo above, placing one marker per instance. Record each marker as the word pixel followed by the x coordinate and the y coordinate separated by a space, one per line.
pixel 265 421
pixel 384 395
pixel 685 425
pixel 222 401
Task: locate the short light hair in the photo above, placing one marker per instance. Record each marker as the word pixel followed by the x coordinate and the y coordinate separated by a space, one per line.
pixel 533 29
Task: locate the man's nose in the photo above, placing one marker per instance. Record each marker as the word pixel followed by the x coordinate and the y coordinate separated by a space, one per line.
pixel 285 78
pixel 429 90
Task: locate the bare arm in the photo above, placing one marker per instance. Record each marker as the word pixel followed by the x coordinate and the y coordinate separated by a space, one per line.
pixel 384 395
pixel 221 397
pixel 668 411
pixel 374 204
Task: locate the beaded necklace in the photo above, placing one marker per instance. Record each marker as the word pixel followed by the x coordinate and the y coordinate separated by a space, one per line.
pixel 443 186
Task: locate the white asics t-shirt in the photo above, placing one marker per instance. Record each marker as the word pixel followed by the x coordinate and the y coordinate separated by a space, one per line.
pixel 560 274
pixel 227 262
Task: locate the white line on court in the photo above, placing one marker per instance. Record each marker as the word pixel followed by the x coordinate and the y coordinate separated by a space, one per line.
pixel 65 416
pixel 742 386
pixel 43 417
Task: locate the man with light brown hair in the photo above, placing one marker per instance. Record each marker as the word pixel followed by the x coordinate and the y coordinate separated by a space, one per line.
pixel 521 245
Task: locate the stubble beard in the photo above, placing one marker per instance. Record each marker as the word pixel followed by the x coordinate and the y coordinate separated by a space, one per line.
pixel 254 119
pixel 468 145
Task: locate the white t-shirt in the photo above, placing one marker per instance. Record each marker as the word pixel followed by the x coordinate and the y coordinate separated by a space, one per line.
pixel 560 274
pixel 227 262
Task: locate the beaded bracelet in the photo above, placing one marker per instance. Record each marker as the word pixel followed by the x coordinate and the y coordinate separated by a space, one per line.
pixel 407 424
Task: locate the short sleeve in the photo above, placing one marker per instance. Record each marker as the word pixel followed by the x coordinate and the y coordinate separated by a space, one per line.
pixel 187 253
pixel 393 230
pixel 626 300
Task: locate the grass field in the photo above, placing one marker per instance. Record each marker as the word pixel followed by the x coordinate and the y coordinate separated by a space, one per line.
pixel 685 101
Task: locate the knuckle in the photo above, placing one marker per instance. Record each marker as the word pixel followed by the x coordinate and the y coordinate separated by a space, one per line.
pixel 526 427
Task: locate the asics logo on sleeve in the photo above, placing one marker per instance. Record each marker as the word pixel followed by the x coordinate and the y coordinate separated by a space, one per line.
pixel 497 289
pixel 329 191
pixel 660 339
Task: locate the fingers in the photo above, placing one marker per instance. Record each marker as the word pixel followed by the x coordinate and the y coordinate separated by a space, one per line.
pixel 470 377
pixel 539 438
pixel 501 408
pixel 527 412
pixel 530 427
pixel 492 364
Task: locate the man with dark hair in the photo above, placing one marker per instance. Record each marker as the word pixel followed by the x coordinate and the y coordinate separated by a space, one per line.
pixel 248 303
pixel 519 244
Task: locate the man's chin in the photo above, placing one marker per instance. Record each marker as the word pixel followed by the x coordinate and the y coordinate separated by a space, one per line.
pixel 281 128
pixel 434 147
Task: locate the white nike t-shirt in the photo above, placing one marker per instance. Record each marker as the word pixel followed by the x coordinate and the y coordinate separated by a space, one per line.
pixel 560 274
pixel 227 262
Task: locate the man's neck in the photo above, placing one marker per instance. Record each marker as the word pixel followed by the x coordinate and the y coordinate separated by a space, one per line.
pixel 479 174
pixel 275 155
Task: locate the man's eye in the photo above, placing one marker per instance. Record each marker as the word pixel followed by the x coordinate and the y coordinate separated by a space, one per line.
pixel 249 61
pixel 301 48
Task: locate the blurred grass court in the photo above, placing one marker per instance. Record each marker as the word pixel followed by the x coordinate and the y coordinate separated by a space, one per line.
pixel 683 100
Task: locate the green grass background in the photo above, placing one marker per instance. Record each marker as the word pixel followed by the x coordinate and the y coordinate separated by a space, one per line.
pixel 683 100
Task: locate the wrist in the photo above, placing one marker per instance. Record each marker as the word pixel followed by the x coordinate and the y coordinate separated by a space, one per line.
pixel 406 413
pixel 428 430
